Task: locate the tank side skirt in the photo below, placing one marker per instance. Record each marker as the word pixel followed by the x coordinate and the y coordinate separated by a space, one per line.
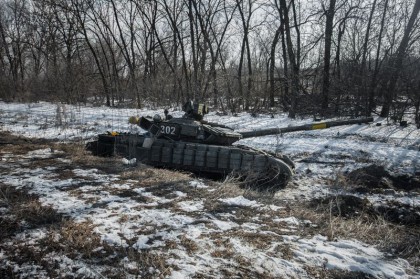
pixel 199 157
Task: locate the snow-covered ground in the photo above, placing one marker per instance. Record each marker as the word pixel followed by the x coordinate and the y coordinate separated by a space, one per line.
pixel 198 227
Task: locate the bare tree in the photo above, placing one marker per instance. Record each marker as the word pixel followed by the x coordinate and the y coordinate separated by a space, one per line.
pixel 246 10
pixel 373 82
pixel 397 62
pixel 294 84
pixel 14 32
pixel 349 52
pixel 329 15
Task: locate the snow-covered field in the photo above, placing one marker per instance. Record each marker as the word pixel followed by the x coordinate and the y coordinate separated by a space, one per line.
pixel 117 220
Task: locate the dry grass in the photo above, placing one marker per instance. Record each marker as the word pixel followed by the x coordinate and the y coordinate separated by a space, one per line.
pixel 224 248
pixel 74 150
pixel 371 229
pixel 150 174
pixel 190 246
pixel 323 273
pixel 35 213
pixel 145 264
pixel 17 149
pixel 23 210
pixel 232 186
pixel 80 237
pixel 256 239
pixel 78 154
pixel 227 189
pixel 171 244
pixel 226 253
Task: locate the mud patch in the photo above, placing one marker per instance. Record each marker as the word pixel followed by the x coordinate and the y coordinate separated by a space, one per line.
pixel 317 272
pixel 347 206
pixel 400 214
pixel 376 179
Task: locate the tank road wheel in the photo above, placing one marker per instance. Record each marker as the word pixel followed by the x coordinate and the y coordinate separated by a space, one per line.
pixel 268 174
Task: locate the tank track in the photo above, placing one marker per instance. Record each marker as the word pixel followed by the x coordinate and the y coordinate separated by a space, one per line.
pixel 256 168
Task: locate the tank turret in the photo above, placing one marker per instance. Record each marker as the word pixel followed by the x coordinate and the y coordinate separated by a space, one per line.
pixel 193 144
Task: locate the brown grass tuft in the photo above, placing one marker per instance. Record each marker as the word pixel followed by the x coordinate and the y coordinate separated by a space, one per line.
pixel 74 238
pixel 224 247
pixel 23 210
pixel 256 239
pixel 148 264
pixel 189 244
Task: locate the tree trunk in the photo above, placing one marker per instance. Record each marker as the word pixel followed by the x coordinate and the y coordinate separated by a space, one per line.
pixel 292 59
pixel 376 70
pixel 241 62
pixel 398 60
pixel 362 78
pixel 81 20
pixel 250 81
pixel 272 63
pixel 327 56
pixel 285 87
pixel 193 51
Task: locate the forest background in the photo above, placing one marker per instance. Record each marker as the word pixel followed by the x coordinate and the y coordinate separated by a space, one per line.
pixel 306 57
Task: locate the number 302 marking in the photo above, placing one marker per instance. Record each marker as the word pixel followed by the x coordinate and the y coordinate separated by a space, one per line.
pixel 168 130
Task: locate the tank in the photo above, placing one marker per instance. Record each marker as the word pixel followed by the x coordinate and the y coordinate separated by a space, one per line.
pixel 193 144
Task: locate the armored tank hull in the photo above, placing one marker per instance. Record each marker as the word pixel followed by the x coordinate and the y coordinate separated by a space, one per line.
pixel 256 168
pixel 192 144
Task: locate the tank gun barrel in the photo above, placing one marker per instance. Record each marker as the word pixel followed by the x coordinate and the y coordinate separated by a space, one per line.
pixel 306 127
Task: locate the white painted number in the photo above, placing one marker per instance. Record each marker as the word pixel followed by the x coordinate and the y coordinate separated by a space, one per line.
pixel 168 130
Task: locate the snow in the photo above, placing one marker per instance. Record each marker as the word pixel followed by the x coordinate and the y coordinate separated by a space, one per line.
pixel 224 225
pixel 289 220
pixel 2 256
pixel 191 206
pixel 149 221
pixel 350 255
pixel 131 162
pixel 239 201
pixel 198 184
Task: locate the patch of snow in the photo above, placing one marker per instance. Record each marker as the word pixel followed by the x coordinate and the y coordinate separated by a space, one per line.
pixel 195 231
pixel 42 153
pixel 412 199
pixel 139 190
pixel 239 201
pixel 198 184
pixel 191 206
pixel 142 242
pixel 63 160
pixel 293 221
pixel 351 255
pixel 121 186
pixel 180 194
pixel 131 162
pixel 251 226
pixel 274 207
pixel 261 263
pixel 224 225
